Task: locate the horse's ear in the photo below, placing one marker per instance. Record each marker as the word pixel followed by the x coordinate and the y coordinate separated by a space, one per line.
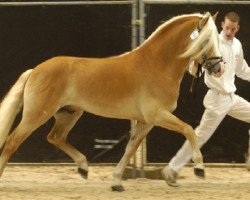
pixel 215 16
pixel 204 20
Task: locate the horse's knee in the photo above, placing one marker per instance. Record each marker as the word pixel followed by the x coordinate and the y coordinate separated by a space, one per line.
pixel 188 132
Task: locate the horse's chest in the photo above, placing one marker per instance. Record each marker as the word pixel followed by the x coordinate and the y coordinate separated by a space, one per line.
pixel 170 100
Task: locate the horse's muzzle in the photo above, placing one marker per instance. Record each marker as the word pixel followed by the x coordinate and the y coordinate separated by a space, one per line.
pixel 215 69
pixel 213 65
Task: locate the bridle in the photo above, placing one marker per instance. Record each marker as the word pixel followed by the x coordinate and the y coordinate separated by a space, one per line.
pixel 209 63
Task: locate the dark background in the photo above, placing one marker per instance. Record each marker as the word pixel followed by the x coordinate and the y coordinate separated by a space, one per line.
pixel 32 34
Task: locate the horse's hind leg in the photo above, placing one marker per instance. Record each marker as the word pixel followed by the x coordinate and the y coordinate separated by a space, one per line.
pixel 141 130
pixel 64 123
pixel 15 139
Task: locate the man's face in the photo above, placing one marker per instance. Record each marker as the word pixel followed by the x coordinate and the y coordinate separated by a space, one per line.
pixel 229 28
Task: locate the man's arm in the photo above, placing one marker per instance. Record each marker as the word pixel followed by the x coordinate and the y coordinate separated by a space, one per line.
pixel 243 71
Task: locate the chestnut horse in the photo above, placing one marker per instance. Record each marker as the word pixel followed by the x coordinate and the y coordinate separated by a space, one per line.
pixel 141 85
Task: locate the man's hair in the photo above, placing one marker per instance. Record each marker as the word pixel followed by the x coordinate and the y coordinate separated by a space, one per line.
pixel 232 16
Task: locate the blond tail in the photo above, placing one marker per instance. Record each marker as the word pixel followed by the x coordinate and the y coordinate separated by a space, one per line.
pixel 11 105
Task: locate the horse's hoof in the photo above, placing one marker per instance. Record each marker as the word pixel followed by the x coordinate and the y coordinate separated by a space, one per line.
pixel 199 172
pixel 83 173
pixel 118 188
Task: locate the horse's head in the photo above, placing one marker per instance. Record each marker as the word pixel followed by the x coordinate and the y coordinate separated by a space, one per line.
pixel 204 45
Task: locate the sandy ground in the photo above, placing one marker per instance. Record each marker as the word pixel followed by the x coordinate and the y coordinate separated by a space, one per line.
pixel 62 182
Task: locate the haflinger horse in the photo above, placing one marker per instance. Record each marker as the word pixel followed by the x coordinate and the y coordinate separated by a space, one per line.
pixel 141 85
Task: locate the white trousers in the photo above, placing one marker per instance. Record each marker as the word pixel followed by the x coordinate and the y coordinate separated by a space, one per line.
pixel 217 106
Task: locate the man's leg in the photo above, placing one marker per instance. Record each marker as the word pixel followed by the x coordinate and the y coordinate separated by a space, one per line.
pixel 241 110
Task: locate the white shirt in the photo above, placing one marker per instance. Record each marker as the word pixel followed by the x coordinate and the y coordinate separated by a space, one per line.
pixel 232 54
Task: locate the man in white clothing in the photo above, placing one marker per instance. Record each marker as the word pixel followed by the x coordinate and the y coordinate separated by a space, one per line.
pixel 220 99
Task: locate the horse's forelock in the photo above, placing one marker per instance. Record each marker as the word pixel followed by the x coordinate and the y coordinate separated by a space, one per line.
pixel 207 39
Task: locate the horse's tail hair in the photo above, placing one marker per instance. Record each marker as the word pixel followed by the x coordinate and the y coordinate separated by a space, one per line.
pixel 11 105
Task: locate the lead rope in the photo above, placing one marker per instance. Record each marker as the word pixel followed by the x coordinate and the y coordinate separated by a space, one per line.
pixel 195 82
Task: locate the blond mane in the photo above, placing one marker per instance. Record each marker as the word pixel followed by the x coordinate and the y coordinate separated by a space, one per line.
pixel 165 24
pixel 207 40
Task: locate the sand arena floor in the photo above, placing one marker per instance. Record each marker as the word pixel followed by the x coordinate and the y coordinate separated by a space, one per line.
pixel 63 182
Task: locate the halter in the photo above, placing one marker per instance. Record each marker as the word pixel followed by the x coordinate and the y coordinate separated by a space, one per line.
pixel 209 63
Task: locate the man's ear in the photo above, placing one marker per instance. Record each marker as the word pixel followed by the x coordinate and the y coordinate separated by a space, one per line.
pixel 238 28
pixel 222 24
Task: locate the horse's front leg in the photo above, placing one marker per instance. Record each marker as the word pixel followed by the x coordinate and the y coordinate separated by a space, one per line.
pixel 141 130
pixel 167 120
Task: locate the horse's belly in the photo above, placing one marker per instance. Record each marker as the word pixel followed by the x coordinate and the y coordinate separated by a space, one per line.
pixel 120 110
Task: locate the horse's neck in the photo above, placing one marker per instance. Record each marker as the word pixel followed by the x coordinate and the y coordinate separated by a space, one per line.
pixel 164 49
